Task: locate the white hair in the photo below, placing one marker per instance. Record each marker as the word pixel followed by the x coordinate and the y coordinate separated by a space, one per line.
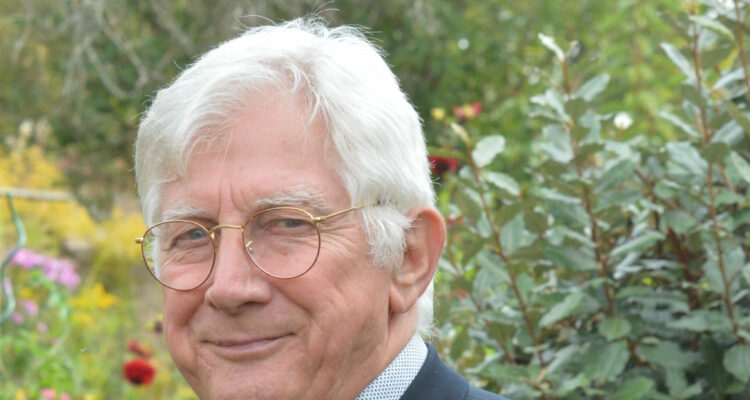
pixel 376 133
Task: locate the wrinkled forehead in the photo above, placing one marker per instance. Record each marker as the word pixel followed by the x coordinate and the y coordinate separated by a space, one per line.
pixel 208 150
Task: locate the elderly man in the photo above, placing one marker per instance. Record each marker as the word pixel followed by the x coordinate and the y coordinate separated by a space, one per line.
pixel 285 182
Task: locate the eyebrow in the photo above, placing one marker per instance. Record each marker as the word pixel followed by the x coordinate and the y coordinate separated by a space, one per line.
pixel 184 211
pixel 296 197
pixel 299 196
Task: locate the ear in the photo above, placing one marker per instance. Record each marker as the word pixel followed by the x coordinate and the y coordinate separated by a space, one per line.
pixel 424 243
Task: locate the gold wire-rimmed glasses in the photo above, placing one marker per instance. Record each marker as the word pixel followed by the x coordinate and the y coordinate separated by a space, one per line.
pixel 283 242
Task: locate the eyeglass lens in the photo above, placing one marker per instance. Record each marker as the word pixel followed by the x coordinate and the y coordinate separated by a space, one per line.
pixel 283 242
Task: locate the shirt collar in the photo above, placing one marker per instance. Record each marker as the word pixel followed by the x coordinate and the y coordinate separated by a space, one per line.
pixel 396 378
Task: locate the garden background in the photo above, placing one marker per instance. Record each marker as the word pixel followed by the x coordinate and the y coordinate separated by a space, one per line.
pixel 591 159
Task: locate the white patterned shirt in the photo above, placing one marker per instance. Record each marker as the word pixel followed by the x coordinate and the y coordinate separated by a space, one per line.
pixel 392 383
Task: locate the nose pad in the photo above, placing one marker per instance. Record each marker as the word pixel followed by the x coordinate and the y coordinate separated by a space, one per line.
pixel 249 246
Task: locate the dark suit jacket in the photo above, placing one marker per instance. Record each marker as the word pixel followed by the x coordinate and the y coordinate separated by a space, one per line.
pixel 435 381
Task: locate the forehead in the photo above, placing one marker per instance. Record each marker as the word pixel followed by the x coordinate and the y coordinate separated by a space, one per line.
pixel 270 153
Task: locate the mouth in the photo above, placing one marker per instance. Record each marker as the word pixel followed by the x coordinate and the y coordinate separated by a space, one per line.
pixel 250 348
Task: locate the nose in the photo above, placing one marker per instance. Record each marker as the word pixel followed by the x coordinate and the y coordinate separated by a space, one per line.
pixel 235 281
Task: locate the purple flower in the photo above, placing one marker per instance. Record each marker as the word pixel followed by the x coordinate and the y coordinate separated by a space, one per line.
pixel 41 327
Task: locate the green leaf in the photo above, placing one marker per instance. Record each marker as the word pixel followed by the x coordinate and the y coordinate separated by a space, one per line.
pixel 693 95
pixel 552 195
pixel 737 361
pixel 668 355
pixel 713 57
pixel 742 166
pixel 634 388
pixel 687 157
pixel 468 202
pixel 490 277
pixel 460 344
pixel 679 60
pixel 674 301
pixel 570 257
pixel 677 384
pixel 729 133
pixel 606 362
pixel 679 221
pixel 713 25
pixel 638 243
pixel 556 144
pixel 614 175
pixel 729 77
pixel 512 234
pixel 714 371
pixel 703 320
pixel 487 149
pixel 549 42
pixel 593 87
pixel 738 116
pixel 566 308
pixel 676 121
pixel 503 182
pixel 576 107
pixel 715 152
pixel 535 222
pixel 614 328
pixel 734 261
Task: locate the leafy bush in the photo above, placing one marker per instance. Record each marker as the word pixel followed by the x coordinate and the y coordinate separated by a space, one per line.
pixel 619 267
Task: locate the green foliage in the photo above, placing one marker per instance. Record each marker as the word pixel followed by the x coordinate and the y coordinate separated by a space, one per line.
pixel 618 266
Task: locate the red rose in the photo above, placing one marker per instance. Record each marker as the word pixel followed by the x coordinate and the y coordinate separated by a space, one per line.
pixel 138 371
pixel 439 165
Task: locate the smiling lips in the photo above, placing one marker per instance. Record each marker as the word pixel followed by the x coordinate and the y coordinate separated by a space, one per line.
pixel 245 347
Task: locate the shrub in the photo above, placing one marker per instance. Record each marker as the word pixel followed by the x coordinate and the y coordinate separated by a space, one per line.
pixel 620 266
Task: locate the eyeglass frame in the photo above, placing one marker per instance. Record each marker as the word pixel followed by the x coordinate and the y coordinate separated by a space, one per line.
pixel 316 221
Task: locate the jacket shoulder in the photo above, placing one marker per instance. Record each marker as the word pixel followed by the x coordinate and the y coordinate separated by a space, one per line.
pixel 435 381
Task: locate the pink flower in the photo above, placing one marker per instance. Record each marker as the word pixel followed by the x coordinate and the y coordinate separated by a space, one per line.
pixel 27 258
pixel 17 318
pixel 48 394
pixel 65 396
pixel 57 270
pixel 31 308
pixel 41 327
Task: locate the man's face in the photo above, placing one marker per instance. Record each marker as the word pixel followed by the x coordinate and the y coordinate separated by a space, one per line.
pixel 243 334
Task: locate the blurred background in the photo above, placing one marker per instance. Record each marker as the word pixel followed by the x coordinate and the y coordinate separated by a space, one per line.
pixel 77 74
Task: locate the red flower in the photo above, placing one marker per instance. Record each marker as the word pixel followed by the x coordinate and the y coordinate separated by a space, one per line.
pixel 467 111
pixel 477 107
pixel 138 350
pixel 439 165
pixel 138 371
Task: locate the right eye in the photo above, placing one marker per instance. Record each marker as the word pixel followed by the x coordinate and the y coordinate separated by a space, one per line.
pixel 189 237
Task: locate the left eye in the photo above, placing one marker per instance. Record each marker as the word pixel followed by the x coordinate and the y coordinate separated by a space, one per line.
pixel 291 223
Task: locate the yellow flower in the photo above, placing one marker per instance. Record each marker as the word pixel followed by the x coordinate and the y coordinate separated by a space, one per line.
pixel 82 318
pixel 438 114
pixel 21 394
pixel 647 281
pixel 94 298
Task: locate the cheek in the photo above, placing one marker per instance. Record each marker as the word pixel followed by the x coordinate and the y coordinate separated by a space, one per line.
pixel 178 311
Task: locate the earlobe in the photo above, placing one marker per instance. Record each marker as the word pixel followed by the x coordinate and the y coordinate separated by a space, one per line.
pixel 424 243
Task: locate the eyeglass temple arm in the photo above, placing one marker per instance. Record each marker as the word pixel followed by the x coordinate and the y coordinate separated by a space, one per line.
pixel 323 218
